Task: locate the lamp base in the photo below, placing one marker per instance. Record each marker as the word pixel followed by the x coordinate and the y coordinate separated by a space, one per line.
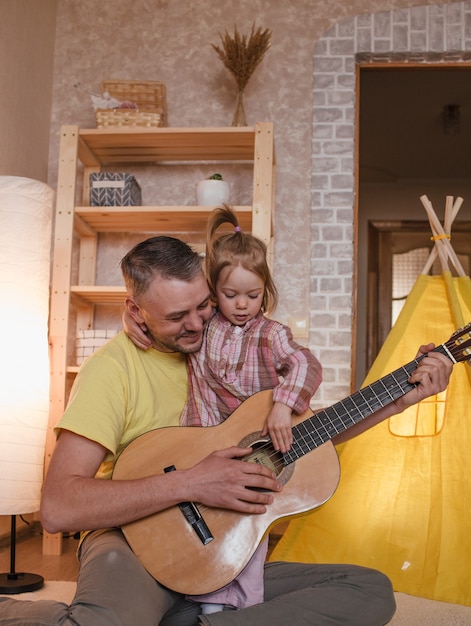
pixel 20 583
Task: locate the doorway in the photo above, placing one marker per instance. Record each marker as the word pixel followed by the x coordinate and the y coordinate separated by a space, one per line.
pixel 408 147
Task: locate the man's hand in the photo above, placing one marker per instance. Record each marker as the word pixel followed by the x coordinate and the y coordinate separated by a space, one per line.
pixel 222 480
pixel 431 377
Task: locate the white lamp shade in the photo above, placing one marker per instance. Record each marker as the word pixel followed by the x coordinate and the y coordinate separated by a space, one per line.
pixel 25 245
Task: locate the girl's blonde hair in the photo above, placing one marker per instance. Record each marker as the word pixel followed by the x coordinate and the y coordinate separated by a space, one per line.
pixel 237 248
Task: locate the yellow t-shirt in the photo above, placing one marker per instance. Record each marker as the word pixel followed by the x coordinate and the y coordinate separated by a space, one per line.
pixel 122 392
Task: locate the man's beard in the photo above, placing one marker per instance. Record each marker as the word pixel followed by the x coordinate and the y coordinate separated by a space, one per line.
pixel 168 345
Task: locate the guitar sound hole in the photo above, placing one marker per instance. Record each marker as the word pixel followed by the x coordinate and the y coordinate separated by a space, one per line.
pixel 263 453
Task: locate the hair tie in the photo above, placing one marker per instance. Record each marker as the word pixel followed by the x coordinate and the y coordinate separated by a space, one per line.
pixel 237 229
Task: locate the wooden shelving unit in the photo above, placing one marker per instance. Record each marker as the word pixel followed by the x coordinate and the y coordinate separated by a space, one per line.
pixel 161 219
pixel 91 150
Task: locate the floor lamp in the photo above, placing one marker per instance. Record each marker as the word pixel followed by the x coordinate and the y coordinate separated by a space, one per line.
pixel 25 243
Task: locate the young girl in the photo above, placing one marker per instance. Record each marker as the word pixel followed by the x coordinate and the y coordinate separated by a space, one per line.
pixel 243 352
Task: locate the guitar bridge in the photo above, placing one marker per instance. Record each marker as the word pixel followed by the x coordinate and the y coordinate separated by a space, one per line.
pixel 193 516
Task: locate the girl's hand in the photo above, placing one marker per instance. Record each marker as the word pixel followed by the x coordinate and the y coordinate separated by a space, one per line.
pixel 135 332
pixel 278 425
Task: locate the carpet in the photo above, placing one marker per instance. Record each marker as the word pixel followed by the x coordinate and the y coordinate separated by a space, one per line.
pixel 411 611
pixel 60 590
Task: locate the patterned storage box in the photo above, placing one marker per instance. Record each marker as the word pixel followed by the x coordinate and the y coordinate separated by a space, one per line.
pixel 87 341
pixel 114 189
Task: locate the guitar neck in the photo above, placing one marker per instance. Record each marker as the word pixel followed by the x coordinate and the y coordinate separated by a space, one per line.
pixel 323 426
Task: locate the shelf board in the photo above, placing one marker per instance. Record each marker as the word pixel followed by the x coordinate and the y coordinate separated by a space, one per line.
pixel 158 219
pixel 97 294
pixel 138 145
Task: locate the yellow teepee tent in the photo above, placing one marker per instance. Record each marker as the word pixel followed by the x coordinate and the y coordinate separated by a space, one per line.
pixel 403 501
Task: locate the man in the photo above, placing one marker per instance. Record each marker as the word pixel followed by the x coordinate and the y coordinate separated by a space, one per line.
pixel 121 392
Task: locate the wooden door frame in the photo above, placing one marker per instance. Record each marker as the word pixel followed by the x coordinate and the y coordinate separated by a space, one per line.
pixel 386 238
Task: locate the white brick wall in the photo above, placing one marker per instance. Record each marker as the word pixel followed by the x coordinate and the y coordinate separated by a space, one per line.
pixel 420 34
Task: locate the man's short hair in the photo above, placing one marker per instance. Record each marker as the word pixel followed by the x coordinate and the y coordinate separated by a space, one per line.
pixel 167 257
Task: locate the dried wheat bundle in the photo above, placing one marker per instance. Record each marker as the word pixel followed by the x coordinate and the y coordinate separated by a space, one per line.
pixel 241 54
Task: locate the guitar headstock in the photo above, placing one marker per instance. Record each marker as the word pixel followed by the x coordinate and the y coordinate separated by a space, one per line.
pixel 459 344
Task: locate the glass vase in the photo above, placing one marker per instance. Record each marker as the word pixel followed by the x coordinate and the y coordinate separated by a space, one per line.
pixel 239 113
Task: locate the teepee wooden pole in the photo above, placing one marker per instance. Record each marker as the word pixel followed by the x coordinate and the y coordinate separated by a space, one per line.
pixel 436 227
pixel 442 236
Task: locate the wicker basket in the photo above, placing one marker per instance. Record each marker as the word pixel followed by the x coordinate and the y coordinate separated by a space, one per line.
pixel 150 97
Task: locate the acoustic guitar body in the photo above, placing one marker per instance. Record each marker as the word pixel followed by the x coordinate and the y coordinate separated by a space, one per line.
pixel 167 544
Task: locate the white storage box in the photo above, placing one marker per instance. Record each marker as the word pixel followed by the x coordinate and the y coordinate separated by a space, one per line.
pixel 88 341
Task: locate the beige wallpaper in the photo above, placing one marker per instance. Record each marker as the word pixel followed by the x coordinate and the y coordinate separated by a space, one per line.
pixel 169 40
pixel 27 32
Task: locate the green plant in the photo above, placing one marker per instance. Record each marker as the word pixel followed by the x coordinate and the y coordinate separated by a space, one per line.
pixel 215 177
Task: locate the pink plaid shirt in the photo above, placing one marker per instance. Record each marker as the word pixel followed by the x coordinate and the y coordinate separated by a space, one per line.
pixel 237 361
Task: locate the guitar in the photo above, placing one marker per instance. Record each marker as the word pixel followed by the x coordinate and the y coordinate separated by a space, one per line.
pixel 194 549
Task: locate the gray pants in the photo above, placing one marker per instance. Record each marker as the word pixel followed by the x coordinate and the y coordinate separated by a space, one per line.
pixel 115 590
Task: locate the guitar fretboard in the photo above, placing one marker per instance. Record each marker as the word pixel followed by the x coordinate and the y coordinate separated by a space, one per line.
pixel 323 426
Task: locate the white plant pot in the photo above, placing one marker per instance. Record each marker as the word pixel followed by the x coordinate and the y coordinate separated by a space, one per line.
pixel 212 192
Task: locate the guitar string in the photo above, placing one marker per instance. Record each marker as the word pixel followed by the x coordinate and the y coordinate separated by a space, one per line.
pixel 370 405
pixel 320 433
pixel 361 410
pixel 399 383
